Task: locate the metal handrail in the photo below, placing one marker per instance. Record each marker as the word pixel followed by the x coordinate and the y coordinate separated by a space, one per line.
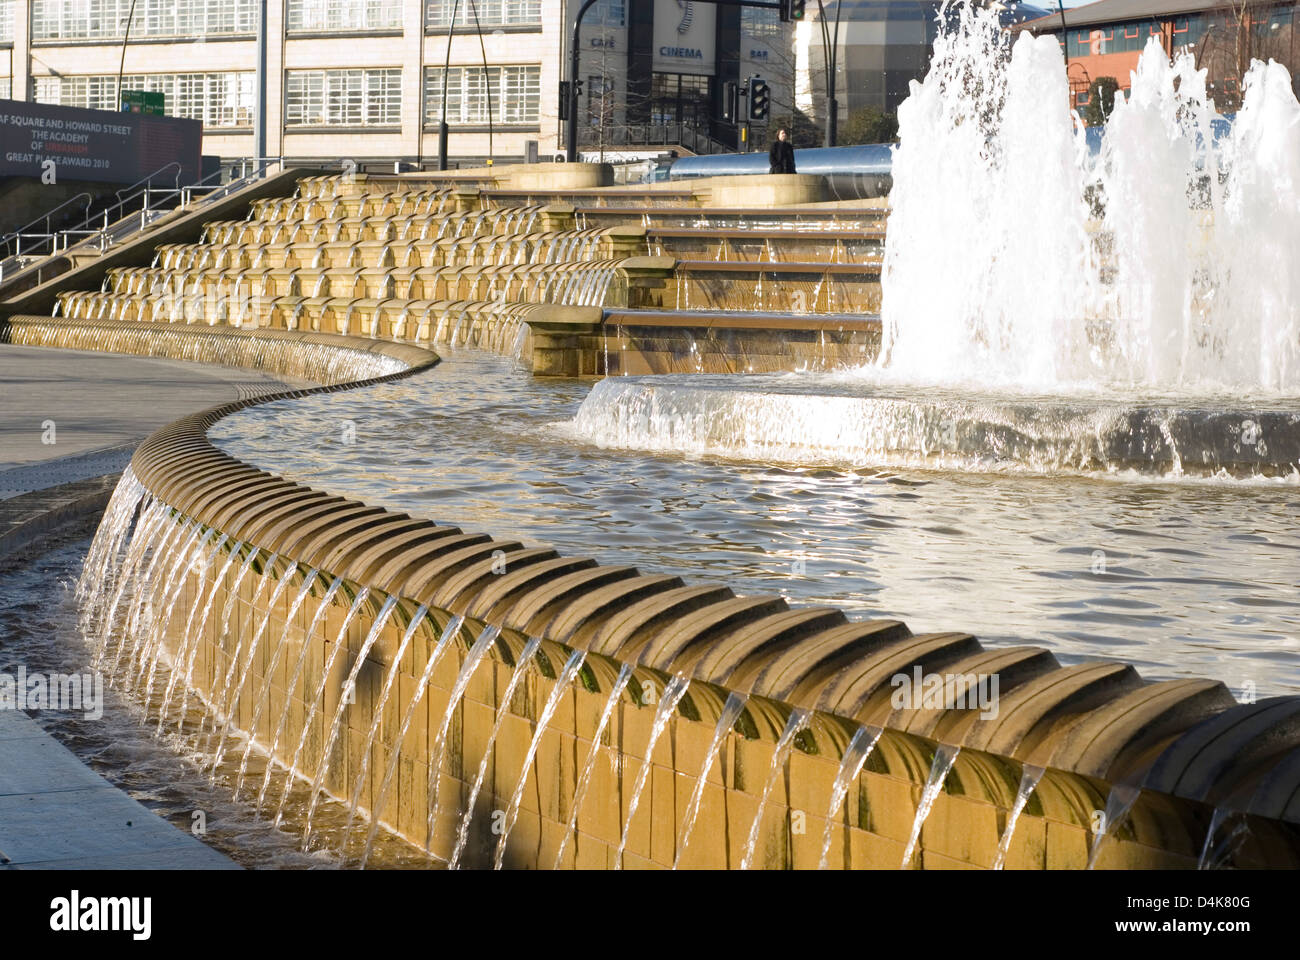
pixel 16 237
pixel 107 232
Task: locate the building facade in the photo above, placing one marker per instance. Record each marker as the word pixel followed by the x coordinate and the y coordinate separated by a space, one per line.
pixel 358 79
pixel 1105 39
pixel 364 79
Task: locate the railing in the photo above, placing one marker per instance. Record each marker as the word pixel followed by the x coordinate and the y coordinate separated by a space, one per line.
pixel 136 208
pixel 687 135
pixel 13 243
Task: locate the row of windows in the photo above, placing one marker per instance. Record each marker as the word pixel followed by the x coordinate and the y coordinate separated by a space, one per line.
pixel 106 19
pixel 316 98
pixel 347 98
pixel 515 93
pixel 1120 38
pixel 497 13
pixel 323 16
pixel 217 99
pixel 1186 31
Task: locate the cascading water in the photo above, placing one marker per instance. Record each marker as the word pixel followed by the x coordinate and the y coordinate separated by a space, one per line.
pixel 472 659
pixel 348 696
pixel 584 778
pixel 449 634
pixel 1028 783
pixel 798 721
pixel 1119 802
pixel 671 696
pixel 726 720
pixel 862 743
pixel 503 708
pixel 944 758
pixel 562 682
pixel 1213 854
pixel 1163 263
pixel 313 705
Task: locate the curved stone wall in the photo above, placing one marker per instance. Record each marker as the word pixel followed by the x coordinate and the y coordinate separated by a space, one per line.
pixel 811 681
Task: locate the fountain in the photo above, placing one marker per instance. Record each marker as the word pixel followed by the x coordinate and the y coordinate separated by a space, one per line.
pixel 1055 353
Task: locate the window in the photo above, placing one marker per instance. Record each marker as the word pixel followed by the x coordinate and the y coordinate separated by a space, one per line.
pixel 1081 98
pixel 216 99
pixel 515 93
pixel 6 88
pixel 343 16
pixel 1132 31
pixel 343 98
pixel 6 22
pixel 106 19
pixel 762 24
pixel 600 101
pixel 497 13
pixel 604 13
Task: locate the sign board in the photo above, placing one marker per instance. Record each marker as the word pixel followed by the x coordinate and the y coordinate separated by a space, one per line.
pixel 97 145
pixel 144 101
pixel 685 37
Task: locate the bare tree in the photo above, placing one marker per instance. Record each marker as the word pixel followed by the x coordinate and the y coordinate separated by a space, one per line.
pixel 1237 33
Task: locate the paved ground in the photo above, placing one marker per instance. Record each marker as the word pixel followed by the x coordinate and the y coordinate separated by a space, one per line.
pixel 67 414
pixel 58 814
pixel 55 812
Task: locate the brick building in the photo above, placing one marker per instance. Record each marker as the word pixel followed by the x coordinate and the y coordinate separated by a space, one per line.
pixel 1104 39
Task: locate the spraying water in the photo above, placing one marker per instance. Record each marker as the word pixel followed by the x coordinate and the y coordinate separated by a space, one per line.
pixel 1162 263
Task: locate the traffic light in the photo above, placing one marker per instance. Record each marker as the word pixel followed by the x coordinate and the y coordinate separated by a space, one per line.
pixel 729 102
pixel 792 10
pixel 760 99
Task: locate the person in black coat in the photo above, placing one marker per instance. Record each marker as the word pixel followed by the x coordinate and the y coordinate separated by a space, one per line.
pixel 781 156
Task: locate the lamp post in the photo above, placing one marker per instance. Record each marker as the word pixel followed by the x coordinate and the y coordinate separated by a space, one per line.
pixel 121 64
pixel 446 71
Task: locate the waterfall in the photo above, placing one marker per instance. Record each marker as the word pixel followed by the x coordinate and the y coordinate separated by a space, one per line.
pixel 476 654
pixel 1119 802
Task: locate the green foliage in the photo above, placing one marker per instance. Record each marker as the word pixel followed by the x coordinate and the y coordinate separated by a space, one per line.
pixel 868 125
pixel 800 129
pixel 1101 100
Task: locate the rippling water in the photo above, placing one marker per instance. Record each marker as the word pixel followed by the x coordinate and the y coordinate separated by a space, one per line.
pixel 1189 578
pixel 169 774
